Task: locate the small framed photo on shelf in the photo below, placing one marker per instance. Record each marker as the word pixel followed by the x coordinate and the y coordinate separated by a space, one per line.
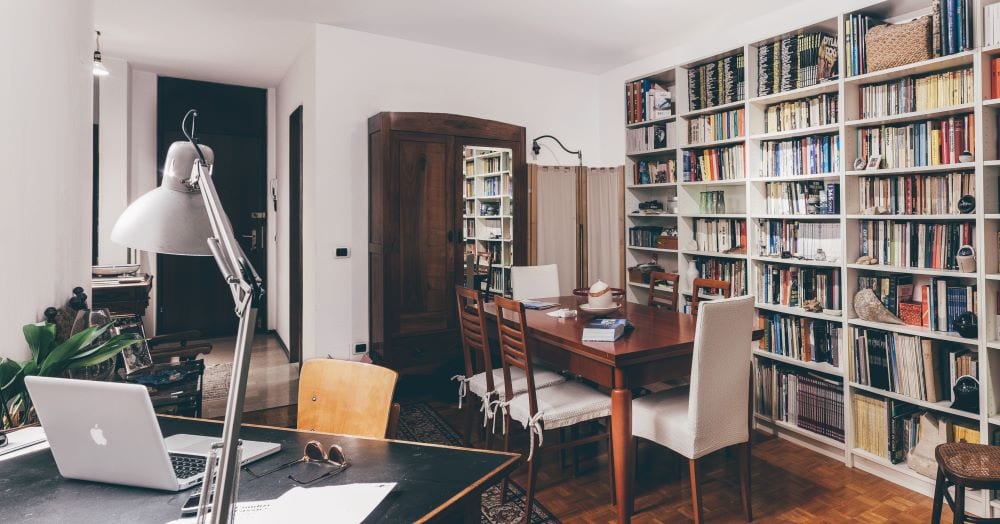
pixel 874 162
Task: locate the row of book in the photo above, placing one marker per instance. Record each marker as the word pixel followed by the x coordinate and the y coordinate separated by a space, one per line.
pixel 808 155
pixel 470 228
pixel 856 25
pixel 792 286
pixel 644 236
pixel 716 83
pixel 654 171
pixel 819 110
pixel 499 281
pixel 495 186
pixel 917 144
pixel 934 306
pixel 718 163
pixel 802 239
pixel 650 138
pixel 720 235
pixel 712 202
pixel 914 244
pixel 647 100
pixel 932 194
pixel 810 401
pixel 796 61
pixel 493 164
pixel 802 198
pixel 991 27
pixel 919 368
pixel 732 271
pixel 723 125
pixel 917 93
pixel 801 338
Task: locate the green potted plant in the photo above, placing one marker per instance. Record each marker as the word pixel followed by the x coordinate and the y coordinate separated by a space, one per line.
pixel 50 358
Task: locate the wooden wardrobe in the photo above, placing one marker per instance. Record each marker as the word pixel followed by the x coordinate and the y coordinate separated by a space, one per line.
pixel 416 247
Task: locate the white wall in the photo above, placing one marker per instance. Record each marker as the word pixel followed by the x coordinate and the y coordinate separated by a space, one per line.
pixel 716 40
pixel 45 142
pixel 142 164
pixel 113 157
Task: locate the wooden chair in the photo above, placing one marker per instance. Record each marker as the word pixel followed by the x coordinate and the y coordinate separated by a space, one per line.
pixel 712 413
pixel 477 357
pixel 709 286
pixel 965 466
pixel 348 398
pixel 562 405
pixel 664 299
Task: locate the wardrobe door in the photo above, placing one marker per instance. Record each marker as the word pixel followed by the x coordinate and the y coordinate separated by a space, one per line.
pixel 422 267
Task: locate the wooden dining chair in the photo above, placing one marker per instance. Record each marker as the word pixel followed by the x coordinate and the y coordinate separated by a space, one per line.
pixel 562 405
pixel 711 414
pixel 477 357
pixel 708 286
pixel 664 298
pixel 348 398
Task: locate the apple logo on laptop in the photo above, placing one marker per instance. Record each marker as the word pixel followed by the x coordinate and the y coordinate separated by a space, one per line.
pixel 97 435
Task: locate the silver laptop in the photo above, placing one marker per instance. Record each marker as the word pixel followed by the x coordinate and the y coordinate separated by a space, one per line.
pixel 107 432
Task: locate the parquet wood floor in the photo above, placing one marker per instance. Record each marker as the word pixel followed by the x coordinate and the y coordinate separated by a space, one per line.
pixel 790 484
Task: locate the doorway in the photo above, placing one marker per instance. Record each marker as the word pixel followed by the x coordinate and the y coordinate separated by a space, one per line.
pixel 232 120
pixel 295 234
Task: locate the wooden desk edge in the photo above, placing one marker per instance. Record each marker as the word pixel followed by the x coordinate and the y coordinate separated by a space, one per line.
pixel 503 469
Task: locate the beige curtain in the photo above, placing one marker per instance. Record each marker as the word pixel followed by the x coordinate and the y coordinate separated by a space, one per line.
pixel 555 206
pixel 605 223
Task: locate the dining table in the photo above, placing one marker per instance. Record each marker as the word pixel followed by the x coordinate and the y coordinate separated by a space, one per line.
pixel 658 348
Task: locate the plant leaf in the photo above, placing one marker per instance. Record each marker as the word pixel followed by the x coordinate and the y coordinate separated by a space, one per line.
pixel 93 348
pixel 103 352
pixel 55 362
pixel 40 337
pixel 10 374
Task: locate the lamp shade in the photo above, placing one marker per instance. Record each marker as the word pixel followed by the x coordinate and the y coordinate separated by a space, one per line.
pixel 170 219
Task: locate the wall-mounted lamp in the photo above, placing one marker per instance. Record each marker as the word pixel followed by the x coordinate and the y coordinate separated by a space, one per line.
pixel 99 69
pixel 535 148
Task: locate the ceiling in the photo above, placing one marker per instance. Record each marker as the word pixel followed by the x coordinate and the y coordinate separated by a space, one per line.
pixel 253 42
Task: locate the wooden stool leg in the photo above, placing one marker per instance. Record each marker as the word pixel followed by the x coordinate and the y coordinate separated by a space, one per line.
pixel 744 459
pixel 695 492
pixel 939 489
pixel 959 504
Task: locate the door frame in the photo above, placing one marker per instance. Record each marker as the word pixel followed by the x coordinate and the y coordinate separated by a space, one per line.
pixel 295 304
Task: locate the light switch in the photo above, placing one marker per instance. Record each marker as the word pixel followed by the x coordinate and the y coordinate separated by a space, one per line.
pixel 342 252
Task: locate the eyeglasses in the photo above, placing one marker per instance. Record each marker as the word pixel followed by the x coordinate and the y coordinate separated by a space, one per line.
pixel 313 454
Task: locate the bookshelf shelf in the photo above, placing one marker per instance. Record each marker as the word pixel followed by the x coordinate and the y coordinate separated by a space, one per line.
pixel 645 123
pixel 906 329
pixel 794 133
pixel 926 66
pixel 713 109
pixel 652 215
pixel 751 194
pixel 914 170
pixel 652 249
pixel 913 116
pixel 941 407
pixel 653 152
pixel 821 367
pixel 640 187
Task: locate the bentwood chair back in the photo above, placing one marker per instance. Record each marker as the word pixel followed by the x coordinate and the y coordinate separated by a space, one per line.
pixel 348 398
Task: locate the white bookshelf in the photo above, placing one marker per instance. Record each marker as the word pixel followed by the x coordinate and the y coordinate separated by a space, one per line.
pixel 488 218
pixel 745 199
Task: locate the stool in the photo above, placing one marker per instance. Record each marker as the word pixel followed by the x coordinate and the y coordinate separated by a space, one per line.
pixel 964 465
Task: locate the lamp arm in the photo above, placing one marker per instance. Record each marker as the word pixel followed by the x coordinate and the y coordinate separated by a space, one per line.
pixel 578 153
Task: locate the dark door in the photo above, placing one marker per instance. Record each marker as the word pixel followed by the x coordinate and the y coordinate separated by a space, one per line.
pixel 295 234
pixel 232 120
pixel 422 269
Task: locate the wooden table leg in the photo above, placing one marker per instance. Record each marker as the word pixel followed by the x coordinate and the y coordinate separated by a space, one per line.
pixel 621 437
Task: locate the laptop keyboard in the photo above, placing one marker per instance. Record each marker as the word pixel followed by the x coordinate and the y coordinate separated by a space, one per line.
pixel 186 466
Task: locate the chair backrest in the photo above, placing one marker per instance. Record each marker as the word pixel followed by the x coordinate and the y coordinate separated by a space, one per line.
pixel 472 326
pixel 529 282
pixel 709 286
pixel 664 298
pixel 346 397
pixel 514 348
pixel 720 373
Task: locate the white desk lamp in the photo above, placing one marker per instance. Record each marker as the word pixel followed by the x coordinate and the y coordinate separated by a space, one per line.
pixel 185 217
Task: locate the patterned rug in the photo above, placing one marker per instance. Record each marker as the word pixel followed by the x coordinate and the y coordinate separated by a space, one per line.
pixel 419 423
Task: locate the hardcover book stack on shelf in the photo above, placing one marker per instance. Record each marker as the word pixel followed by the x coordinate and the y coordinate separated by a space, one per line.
pixel 647 100
pixel 934 305
pixel 810 401
pixel 795 62
pixel 809 155
pixel 719 163
pixel 802 198
pixel 651 137
pixel 914 244
pixel 800 338
pixel 716 83
pixel 720 235
pixel 644 236
pixel 918 93
pixel 794 286
pixel 654 171
pixel 929 143
pixel 723 125
pixel 804 113
pixel 932 194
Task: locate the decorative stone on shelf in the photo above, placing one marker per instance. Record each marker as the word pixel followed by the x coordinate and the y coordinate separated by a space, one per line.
pixel 869 307
pixel 866 260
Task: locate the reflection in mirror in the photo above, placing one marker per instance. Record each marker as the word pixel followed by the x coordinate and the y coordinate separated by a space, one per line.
pixel 488 216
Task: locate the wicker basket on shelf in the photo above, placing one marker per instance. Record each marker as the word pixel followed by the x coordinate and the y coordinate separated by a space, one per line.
pixel 893 45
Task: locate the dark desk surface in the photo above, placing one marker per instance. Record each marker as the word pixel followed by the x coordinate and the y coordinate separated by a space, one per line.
pixel 431 481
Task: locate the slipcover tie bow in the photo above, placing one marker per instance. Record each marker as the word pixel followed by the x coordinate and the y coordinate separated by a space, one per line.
pixel 463 388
